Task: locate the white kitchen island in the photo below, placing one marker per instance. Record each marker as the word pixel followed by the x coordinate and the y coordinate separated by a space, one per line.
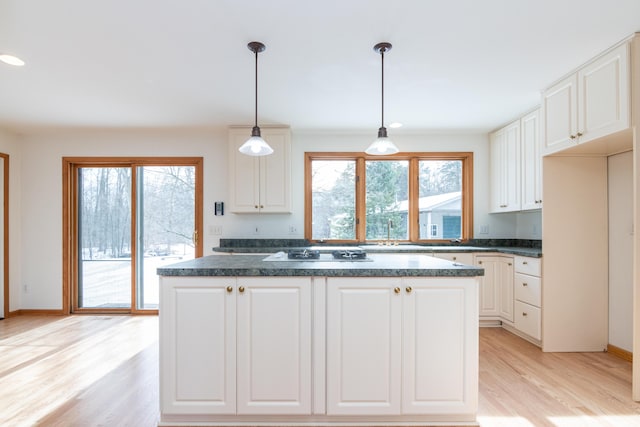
pixel 392 341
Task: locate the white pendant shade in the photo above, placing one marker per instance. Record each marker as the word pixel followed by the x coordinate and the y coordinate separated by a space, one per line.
pixel 11 60
pixel 382 146
pixel 255 146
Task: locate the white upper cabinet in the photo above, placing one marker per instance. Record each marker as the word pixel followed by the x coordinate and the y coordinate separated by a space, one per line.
pixel 505 168
pixel 531 161
pixel 260 184
pixel 588 104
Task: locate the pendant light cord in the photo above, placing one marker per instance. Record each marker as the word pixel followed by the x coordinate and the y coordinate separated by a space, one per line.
pixel 256 112
pixel 382 118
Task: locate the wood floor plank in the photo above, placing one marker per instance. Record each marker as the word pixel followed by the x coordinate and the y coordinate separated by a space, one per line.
pixel 103 371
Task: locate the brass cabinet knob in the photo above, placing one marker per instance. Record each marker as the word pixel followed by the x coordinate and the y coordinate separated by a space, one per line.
pixel 524 284
pixel 480 262
pixel 579 134
pixel 229 289
pixel 524 263
pixel 261 206
pixel 255 206
pixel 509 264
pixel 455 258
pixel 396 289
pixel 241 289
pixel 408 289
pixel 524 313
pixel 573 137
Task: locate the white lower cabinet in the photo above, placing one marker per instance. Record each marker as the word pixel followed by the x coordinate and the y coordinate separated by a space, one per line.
pixel 364 345
pixel 496 287
pixel 402 346
pixel 209 324
pixel 528 297
pixel 252 349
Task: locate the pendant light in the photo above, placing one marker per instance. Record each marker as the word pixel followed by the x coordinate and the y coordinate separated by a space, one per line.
pixel 382 145
pixel 255 145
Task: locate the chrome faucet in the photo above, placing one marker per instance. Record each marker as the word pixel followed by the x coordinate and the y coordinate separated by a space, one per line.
pixel 389 225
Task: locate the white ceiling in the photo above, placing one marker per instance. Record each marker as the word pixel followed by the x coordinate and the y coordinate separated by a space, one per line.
pixel 464 65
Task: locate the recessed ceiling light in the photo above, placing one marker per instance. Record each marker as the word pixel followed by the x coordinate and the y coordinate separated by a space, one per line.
pixel 395 125
pixel 11 60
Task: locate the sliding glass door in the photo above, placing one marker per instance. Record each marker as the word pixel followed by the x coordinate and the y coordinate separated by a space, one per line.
pixel 127 220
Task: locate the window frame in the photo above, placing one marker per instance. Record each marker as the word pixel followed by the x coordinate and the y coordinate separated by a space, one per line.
pixel 413 214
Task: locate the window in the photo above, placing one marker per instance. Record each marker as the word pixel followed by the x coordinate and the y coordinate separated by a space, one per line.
pixel 407 197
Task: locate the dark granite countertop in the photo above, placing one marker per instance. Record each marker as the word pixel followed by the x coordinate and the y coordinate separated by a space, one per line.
pixel 506 246
pixel 380 265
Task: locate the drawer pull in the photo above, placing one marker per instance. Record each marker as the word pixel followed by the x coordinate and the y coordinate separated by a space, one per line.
pixel 524 313
pixel 455 258
pixel 509 264
pixel 524 284
pixel 480 262
pixel 524 263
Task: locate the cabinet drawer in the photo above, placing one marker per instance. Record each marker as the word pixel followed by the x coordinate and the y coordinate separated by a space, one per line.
pixel 527 289
pixel 527 265
pixel 527 319
pixel 461 257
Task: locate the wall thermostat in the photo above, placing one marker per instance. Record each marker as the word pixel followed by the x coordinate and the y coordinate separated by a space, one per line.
pixel 219 208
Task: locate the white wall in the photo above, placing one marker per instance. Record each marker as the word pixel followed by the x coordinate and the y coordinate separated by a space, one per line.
pixel 9 144
pixel 41 189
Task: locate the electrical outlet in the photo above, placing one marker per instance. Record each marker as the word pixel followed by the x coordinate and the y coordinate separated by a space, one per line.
pixel 484 229
pixel 215 230
pixel 293 229
pixel 255 229
pixel 25 288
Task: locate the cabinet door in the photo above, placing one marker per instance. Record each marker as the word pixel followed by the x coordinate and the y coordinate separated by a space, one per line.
pixel 505 169
pixel 559 104
pixel 275 173
pixel 363 346
pixel 440 346
pixel 511 166
pixel 504 279
pixel 244 175
pixel 498 200
pixel 531 161
pixel 274 345
pixel 197 346
pixel 603 95
pixel 488 300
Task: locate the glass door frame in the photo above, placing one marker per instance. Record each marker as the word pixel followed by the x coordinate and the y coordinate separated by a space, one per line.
pixel 70 268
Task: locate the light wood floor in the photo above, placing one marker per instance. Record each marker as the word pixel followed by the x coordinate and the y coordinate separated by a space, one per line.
pixel 103 371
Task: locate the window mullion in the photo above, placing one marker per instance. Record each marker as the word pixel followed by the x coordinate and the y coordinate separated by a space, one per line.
pixel 413 220
pixel 361 200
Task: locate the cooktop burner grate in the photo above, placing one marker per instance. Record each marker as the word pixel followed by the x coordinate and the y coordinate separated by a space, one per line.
pixel 303 254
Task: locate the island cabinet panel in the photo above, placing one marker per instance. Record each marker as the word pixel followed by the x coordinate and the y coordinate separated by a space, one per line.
pixel 197 346
pixel 274 346
pixel 363 346
pixel 440 340
pixel 235 345
pixel 399 346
